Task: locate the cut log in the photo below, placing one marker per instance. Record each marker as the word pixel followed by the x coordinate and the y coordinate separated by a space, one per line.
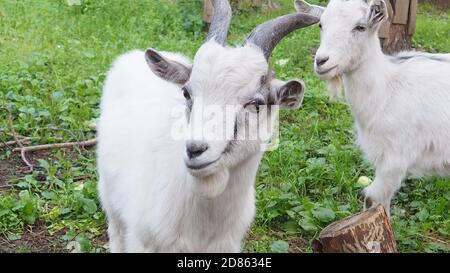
pixel 367 232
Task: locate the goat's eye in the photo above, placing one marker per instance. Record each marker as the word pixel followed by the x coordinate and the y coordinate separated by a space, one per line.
pixel 254 105
pixel 320 25
pixel 186 94
pixel 360 28
pixel 188 98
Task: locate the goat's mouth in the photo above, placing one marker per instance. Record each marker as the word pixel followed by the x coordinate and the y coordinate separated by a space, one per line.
pixel 323 72
pixel 197 167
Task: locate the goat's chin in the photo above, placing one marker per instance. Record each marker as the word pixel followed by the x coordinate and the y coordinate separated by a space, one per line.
pixel 211 186
pixel 327 76
pixel 334 82
pixel 206 171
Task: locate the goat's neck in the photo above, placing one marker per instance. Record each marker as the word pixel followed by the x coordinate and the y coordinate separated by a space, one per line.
pixel 214 217
pixel 365 85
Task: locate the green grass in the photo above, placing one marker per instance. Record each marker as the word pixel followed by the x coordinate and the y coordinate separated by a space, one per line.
pixel 53 60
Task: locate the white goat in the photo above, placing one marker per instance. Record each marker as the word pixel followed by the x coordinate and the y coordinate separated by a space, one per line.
pixel 401 103
pixel 161 194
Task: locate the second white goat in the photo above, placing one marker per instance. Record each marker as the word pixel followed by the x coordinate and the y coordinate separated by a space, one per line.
pixel 400 103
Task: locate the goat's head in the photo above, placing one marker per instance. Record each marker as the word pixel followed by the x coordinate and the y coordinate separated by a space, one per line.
pixel 348 33
pixel 227 88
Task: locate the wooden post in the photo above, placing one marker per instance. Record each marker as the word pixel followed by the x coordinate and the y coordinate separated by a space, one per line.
pixel 207 14
pixel 366 232
pixel 396 33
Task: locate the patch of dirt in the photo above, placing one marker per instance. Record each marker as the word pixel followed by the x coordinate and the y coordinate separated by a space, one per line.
pixel 35 238
pixel 14 167
pixel 296 244
pixel 101 240
pixel 11 168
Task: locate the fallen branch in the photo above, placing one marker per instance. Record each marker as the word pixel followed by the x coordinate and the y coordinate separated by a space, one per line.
pixel 81 144
pixel 10 134
pixel 79 178
pixel 6 186
pixel 435 239
pixel 17 140
pixel 8 143
pixel 12 142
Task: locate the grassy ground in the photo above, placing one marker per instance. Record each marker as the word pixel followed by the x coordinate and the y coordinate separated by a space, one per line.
pixel 53 60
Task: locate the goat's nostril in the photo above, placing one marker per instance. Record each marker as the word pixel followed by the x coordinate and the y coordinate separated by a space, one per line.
pixel 195 150
pixel 322 61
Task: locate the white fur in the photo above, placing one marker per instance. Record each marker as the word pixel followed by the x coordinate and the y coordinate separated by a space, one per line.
pixel 401 108
pixel 152 201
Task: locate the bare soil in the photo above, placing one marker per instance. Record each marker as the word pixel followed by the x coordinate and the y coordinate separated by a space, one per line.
pixel 35 238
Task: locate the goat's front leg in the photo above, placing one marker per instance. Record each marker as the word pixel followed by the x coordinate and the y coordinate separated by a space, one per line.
pixel 116 235
pixel 228 244
pixel 138 241
pixel 388 179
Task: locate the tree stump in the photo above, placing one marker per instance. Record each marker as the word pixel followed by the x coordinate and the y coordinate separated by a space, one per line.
pixel 396 33
pixel 366 232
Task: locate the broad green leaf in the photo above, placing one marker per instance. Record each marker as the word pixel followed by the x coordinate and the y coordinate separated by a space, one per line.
pixel 89 205
pixel 279 246
pixel 324 214
pixel 308 224
pixel 85 243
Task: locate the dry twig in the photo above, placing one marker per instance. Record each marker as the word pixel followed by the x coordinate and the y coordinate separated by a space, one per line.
pixel 20 140
pixel 19 143
pixel 83 144
pixel 6 186
pixel 12 142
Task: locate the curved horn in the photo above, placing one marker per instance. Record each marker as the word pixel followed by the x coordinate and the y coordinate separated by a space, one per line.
pixel 267 35
pixel 220 22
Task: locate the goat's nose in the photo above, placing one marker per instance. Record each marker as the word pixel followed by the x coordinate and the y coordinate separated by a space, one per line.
pixel 194 150
pixel 321 60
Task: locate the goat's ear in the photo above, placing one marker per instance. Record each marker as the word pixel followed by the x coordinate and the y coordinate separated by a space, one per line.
pixel 166 69
pixel 378 11
pixel 305 7
pixel 288 94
